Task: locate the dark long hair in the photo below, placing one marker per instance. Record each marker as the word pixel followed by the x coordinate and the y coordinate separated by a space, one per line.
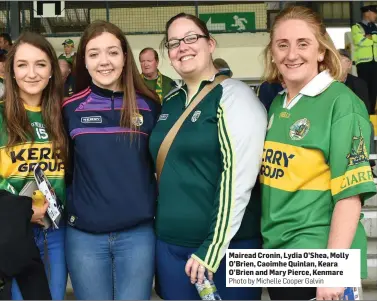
pixel 130 78
pixel 17 123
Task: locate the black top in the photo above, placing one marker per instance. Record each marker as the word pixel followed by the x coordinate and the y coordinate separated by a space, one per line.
pixel 17 245
pixel 360 88
pixel 369 28
pixel 69 86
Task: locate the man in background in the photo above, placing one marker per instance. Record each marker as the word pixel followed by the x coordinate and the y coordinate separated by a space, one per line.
pixel 153 78
pixel 221 65
pixel 69 83
pixel 2 70
pixel 364 37
pixel 357 85
pixel 360 88
pixel 266 93
pixel 68 54
pixel 5 43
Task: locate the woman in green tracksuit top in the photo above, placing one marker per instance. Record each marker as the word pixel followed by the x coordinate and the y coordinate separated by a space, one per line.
pixel 315 174
pixel 210 170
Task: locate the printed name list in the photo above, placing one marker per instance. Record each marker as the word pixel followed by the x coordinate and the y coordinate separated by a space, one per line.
pixel 285 268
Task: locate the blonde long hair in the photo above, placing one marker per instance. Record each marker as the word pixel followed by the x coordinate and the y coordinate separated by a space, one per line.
pixel 331 61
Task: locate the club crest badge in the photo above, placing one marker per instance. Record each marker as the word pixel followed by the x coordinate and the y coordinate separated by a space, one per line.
pixel 72 220
pixel 358 152
pixel 299 129
pixel 163 117
pixel 138 120
pixel 195 116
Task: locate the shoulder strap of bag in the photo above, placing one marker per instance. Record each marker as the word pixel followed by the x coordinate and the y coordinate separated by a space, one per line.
pixel 167 142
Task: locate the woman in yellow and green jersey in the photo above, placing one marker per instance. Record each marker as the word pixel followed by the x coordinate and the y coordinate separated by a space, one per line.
pixel 315 173
pixel 32 133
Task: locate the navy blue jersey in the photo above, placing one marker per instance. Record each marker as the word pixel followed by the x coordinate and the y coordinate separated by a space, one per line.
pixel 113 184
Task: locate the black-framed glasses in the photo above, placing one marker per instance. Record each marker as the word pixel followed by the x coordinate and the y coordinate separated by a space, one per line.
pixel 190 39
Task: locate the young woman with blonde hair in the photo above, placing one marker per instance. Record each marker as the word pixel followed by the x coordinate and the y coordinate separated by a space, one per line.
pixel 316 144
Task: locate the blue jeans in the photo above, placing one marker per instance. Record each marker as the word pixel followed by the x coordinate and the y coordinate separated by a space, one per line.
pixel 111 266
pixel 172 282
pixel 55 267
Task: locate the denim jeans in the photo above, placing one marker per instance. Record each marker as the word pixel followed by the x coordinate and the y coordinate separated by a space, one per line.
pixel 111 266
pixel 55 267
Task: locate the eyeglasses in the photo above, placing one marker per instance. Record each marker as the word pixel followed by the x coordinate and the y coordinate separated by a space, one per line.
pixel 190 39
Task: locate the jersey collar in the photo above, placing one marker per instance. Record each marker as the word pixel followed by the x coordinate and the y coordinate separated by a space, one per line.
pixel 32 109
pixel 315 87
pixel 104 92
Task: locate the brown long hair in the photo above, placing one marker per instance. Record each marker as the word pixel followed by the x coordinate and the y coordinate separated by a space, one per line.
pixel 331 61
pixel 130 79
pixel 17 123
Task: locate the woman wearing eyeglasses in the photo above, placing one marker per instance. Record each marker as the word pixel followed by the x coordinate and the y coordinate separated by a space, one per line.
pixel 205 205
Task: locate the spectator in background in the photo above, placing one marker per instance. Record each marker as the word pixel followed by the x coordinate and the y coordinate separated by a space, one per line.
pixel 2 66
pixel 364 37
pixel 359 87
pixel 68 54
pixel 222 65
pixel 5 42
pixel 69 82
pixel 267 92
pixel 153 78
pixel 356 84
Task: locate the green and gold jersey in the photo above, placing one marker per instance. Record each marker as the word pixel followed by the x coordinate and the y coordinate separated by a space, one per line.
pixel 315 154
pixel 162 85
pixel 17 163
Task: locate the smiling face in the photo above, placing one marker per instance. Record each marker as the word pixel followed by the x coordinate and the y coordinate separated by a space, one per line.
pixel 296 53
pixel 189 59
pixel 32 70
pixel 105 59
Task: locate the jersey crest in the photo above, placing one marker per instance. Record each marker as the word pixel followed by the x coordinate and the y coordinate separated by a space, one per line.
pixel 195 116
pixel 138 120
pixel 358 152
pixel 299 129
